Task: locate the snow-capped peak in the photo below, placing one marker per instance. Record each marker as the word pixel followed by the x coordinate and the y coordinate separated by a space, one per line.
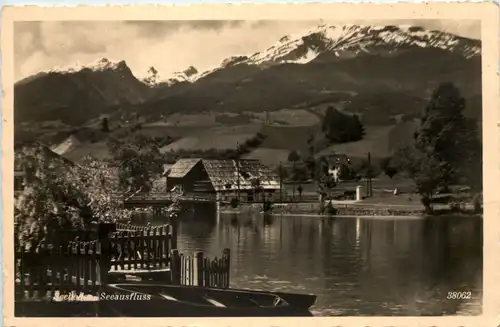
pixel 188 75
pixel 102 64
pixel 153 78
pixel 354 39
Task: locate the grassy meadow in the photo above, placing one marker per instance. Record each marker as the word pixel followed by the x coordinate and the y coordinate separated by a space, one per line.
pixel 285 130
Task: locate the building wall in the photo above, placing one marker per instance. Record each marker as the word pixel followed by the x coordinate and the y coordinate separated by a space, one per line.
pixel 196 174
pixel 204 187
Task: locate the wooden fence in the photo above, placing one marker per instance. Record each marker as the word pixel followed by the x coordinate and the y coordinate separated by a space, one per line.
pixel 43 270
pixel 123 227
pixel 198 270
pixel 146 249
pixel 170 228
pixel 83 266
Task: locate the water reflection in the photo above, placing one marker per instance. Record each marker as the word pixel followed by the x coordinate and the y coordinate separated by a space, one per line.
pixel 356 266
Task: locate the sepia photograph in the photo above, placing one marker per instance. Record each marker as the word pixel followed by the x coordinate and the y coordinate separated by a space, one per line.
pixel 256 167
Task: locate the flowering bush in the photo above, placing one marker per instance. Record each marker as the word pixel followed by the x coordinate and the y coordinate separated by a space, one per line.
pixel 59 196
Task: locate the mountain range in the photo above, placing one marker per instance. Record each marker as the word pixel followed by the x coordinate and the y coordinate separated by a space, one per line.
pixel 371 70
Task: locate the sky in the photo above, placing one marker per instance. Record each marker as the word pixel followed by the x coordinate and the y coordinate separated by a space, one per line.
pixel 169 46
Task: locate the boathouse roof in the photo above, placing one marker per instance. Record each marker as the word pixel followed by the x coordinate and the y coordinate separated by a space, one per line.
pixel 223 174
pixel 182 167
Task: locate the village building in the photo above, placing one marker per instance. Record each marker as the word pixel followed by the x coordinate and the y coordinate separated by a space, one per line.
pixel 226 179
pixel 336 159
pixel 34 148
pixel 336 165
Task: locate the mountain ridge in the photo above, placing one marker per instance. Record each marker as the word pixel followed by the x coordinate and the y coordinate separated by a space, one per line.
pixel 324 62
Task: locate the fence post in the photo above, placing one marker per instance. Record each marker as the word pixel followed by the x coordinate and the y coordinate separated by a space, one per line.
pixel 172 235
pixel 20 251
pixel 226 255
pixel 103 231
pixel 175 267
pixel 198 268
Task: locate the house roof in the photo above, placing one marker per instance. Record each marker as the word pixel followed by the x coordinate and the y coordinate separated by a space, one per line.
pixel 224 174
pixel 23 148
pixel 182 167
pixel 166 169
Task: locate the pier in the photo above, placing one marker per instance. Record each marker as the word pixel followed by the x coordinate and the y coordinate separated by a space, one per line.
pixel 166 199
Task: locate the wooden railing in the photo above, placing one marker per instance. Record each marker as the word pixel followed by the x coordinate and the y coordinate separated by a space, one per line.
pixel 43 270
pixel 198 270
pixel 129 227
pixel 170 197
pixel 276 197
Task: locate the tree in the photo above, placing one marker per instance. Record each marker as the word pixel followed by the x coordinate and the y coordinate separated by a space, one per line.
pixel 60 196
pixel 444 147
pixel 355 125
pixel 426 170
pixel 388 167
pixel 366 169
pixel 340 128
pixel 301 173
pixel 447 133
pixel 104 125
pixel 327 184
pixel 293 156
pixel 138 162
pixel 309 161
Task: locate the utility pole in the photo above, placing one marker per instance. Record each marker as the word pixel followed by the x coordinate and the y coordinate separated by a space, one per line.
pixel 369 179
pixel 281 183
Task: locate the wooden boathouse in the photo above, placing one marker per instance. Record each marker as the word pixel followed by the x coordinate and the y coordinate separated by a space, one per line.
pixel 207 181
pixel 221 179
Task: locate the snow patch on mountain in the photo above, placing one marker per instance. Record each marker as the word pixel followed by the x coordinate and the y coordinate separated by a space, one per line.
pixel 188 75
pixel 305 47
pixel 348 41
pixel 307 57
pixel 341 41
pixel 102 64
pixel 234 60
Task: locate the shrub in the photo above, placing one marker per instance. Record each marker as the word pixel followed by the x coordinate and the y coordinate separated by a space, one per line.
pixel 330 209
pixel 234 203
pixel 60 196
pixel 267 206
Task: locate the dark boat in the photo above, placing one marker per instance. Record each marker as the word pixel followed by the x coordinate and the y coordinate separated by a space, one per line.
pixel 159 300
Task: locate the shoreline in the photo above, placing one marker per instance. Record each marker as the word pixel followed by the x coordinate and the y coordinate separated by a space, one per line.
pixel 344 211
pixel 310 215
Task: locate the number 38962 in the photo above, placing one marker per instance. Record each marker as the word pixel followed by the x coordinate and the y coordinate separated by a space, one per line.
pixel 459 295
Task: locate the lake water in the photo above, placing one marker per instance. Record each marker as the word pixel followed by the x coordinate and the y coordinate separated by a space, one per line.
pixel 356 266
